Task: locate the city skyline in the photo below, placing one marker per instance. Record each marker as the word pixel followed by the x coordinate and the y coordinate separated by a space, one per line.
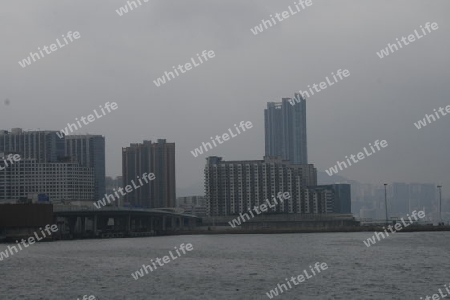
pixel 270 140
pixel 197 187
pixel 377 98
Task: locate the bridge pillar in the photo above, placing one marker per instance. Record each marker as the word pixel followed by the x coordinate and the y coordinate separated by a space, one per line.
pixel 83 225
pixel 94 225
pixel 128 224
pixel 103 222
pixel 117 221
pixel 72 223
pixel 164 223
pixel 173 223
pixel 192 223
pixel 151 219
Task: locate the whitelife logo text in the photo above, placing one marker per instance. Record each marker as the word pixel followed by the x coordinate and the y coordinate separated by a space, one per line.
pixel 281 17
pixel 423 122
pixel 165 260
pixel 146 177
pixel 86 120
pixel 360 156
pixel 27 61
pixel 391 48
pixel 225 137
pixel 188 66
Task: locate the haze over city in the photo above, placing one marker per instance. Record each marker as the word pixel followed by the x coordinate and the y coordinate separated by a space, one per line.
pixel 117 59
pixel 224 149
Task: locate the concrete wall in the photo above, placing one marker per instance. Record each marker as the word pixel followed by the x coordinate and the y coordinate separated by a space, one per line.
pixel 279 218
pixel 25 215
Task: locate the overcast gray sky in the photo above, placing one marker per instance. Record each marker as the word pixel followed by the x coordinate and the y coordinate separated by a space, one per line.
pixel 117 59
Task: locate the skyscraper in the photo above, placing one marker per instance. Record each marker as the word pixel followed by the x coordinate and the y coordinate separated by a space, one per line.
pixel 89 151
pixel 148 157
pixel 285 130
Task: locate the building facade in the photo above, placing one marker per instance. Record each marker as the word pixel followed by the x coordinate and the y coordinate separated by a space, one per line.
pixel 332 198
pixel 285 129
pixel 233 187
pixel 42 146
pixel 148 157
pixel 53 164
pixel 89 151
pixel 319 201
pixel 59 181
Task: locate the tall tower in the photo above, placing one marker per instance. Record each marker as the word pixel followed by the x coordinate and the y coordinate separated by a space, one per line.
pixel 285 129
pixel 273 129
pixel 148 157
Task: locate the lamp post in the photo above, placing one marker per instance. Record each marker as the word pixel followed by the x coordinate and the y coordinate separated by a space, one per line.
pixel 385 202
pixel 440 203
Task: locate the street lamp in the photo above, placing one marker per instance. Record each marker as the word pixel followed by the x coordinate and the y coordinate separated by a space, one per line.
pixel 385 202
pixel 440 202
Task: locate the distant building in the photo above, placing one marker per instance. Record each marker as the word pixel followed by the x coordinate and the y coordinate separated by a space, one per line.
pixel 111 185
pixel 148 157
pixel 423 196
pixel 194 205
pixel 400 199
pixel 366 213
pixel 233 187
pixel 404 198
pixel 332 198
pixel 285 130
pixel 89 151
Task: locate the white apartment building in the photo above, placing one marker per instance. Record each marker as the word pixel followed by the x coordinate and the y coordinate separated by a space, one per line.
pixel 233 187
pixel 59 181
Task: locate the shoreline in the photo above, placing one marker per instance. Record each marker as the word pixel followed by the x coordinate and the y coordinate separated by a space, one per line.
pixel 220 231
pixel 419 228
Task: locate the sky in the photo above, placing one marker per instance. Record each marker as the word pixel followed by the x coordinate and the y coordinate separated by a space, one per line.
pixel 117 58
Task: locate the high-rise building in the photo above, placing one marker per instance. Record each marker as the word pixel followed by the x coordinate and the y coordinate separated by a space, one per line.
pixel 332 198
pixel 63 180
pixel 89 151
pixel 273 129
pixel 148 157
pixel 63 168
pixel 42 146
pixel 285 129
pixel 233 187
